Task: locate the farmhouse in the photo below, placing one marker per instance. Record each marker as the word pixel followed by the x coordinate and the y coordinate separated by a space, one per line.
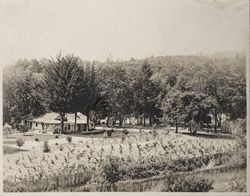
pixel 50 122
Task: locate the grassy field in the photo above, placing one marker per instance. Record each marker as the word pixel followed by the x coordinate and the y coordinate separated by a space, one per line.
pixel 12 150
pixel 41 137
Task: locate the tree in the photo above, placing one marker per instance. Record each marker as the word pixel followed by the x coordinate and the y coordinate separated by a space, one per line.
pixel 173 110
pixel 145 92
pixel 20 142
pixel 90 95
pixel 21 96
pixel 186 108
pixel 116 93
pixel 63 85
pixel 224 90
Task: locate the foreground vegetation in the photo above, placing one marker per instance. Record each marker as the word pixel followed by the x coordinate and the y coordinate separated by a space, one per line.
pixel 101 163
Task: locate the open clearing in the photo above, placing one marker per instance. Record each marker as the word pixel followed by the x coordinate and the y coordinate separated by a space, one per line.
pixel 84 151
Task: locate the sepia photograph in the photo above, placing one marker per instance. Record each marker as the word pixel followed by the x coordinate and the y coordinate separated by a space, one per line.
pixel 124 96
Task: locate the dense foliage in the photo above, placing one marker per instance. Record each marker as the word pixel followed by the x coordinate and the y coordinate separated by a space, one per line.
pixel 184 90
pixel 188 183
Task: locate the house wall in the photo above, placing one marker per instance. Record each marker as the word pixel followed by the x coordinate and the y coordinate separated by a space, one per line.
pixel 71 128
pixel 46 127
pixel 36 126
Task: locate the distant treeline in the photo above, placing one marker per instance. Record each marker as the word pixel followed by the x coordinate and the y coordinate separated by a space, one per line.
pixel 180 90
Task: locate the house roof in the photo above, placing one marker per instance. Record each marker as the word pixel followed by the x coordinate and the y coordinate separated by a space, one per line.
pixel 54 118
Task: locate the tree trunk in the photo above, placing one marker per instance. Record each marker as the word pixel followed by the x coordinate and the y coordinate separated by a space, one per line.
pixel 75 128
pixel 151 120
pixel 107 123
pixel 190 128
pixel 215 123
pixel 144 120
pixel 121 121
pixel 219 121
pixel 215 126
pixel 114 123
pixel 176 127
pixel 87 115
pixel 62 122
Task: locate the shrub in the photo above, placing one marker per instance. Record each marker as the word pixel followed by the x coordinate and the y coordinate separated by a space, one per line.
pixel 239 154
pixel 109 132
pixel 187 183
pixel 46 147
pixel 57 136
pixel 69 139
pixel 23 128
pixel 20 142
pixel 36 139
pixel 111 170
pixel 56 144
pixel 237 127
pixel 125 132
pixel 226 127
pixel 108 175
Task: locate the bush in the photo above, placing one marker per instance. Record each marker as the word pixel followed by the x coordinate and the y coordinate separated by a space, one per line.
pixel 109 132
pixel 46 147
pixel 239 154
pixel 69 139
pixel 111 170
pixel 20 142
pixel 23 128
pixel 56 144
pixel 36 139
pixel 187 183
pixel 226 127
pixel 237 127
pixel 57 136
pixel 125 132
pixel 108 175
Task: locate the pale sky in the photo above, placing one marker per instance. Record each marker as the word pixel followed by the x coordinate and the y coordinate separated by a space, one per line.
pixel 120 29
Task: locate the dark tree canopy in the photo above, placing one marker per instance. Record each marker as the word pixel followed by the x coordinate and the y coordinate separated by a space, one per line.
pixel 185 90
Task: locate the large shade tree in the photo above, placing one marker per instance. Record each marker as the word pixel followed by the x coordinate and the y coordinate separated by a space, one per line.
pixel 145 92
pixel 116 93
pixel 90 95
pixel 63 85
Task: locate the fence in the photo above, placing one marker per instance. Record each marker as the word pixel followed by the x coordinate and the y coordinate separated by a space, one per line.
pixel 52 183
pixel 147 184
pixel 77 182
